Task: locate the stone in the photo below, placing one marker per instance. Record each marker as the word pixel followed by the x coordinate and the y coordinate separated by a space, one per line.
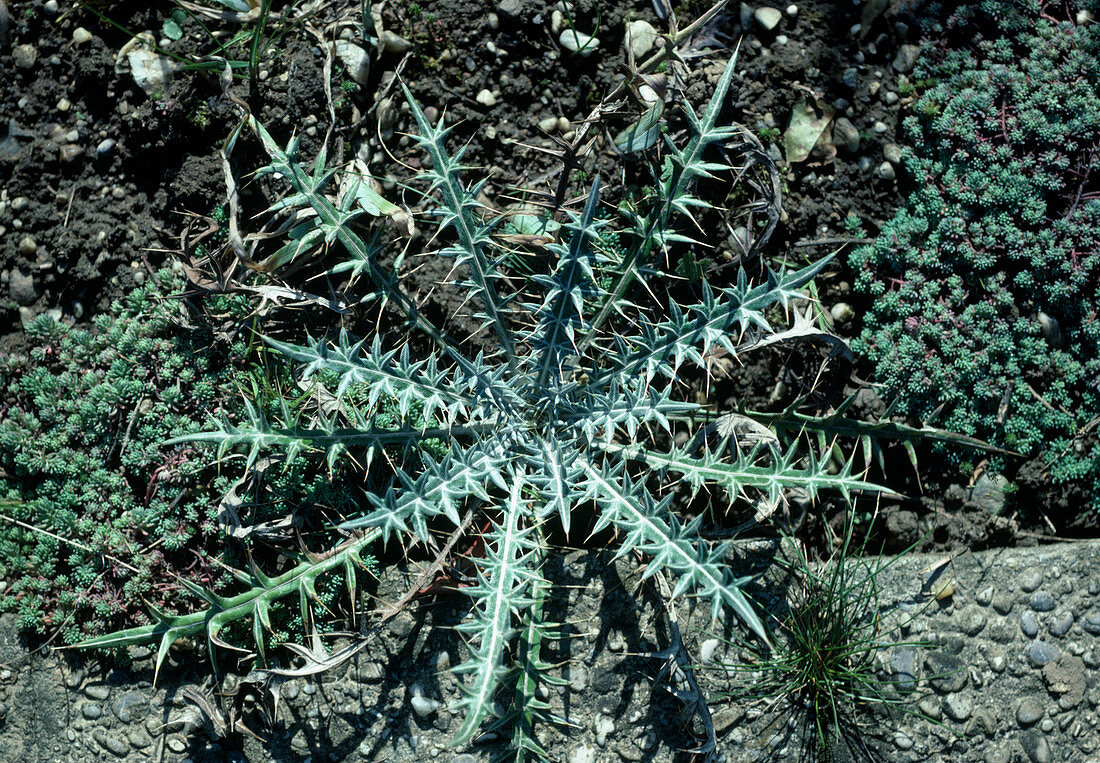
pixel 604 727
pixel 641 37
pixel 139 739
pixel 984 596
pixel 902 740
pixel 842 312
pixel 81 35
pixel 906 58
pixel 486 98
pixel 707 650
pixel 105 147
pixel 973 624
pixel 891 152
pixel 151 71
pixel 886 171
pixel 91 710
pixel 424 706
pixel 1036 747
pixel 792 10
pixel 577 676
pixel 1091 623
pixel 131 706
pixel 97 691
pixel 958 707
pixel 578 42
pixel 355 59
pixel 1029 712
pixel 176 745
pixel 906 667
pixel 1063 621
pixel 1002 604
pixel 845 135
pixel 949 674
pixel 113 744
pixel 24 56
pixel 395 43
pixel 510 7
pixel 70 153
pixel 879 128
pixel 1039 653
pixel 767 17
pixel 1031 580
pixel 1029 625
pixel 1042 601
pixel 28 247
pixel 21 288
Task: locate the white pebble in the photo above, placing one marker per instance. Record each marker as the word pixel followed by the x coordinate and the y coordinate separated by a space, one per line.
pixel 424 706
pixel 768 18
pixel 578 42
pixel 486 98
pixel 81 35
pixel 792 10
pixel 707 650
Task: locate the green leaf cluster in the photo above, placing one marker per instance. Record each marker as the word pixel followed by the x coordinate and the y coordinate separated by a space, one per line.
pixel 986 285
pixel 82 428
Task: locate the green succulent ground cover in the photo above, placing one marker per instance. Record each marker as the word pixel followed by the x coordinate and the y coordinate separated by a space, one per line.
pixel 986 285
pixel 103 521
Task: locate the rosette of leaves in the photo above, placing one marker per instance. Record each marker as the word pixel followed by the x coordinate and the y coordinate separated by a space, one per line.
pixel 572 413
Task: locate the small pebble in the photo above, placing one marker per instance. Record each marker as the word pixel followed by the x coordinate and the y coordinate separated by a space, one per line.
pixel 578 677
pixel 91 711
pixel 886 171
pixel 1091 623
pixel 424 706
pixel 892 153
pixel 842 312
pixel 578 42
pixel 903 740
pixel 767 17
pixel 486 98
pixel 707 650
pixel 792 10
pixel 1036 747
pixel 984 596
pixel 24 56
pixel 1029 625
pixel 958 707
pixel 64 104
pixel 879 128
pixel 1029 712
pixel 81 35
pixel 1031 580
pixel 70 153
pixel 1063 621
pixel 1039 653
pixel 105 146
pixel 1042 601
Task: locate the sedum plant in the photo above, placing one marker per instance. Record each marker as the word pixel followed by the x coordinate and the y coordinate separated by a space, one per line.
pixel 573 413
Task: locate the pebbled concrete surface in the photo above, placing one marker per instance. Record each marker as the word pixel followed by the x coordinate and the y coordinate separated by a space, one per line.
pixel 1014 676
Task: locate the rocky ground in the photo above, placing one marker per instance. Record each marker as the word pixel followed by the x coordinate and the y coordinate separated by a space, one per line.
pixel 1010 672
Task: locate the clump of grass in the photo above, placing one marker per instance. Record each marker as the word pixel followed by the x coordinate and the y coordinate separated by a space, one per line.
pixel 827 641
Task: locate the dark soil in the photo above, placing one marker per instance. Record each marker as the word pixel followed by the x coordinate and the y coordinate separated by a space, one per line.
pixel 102 183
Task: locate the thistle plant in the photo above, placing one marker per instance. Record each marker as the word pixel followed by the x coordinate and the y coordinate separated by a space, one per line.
pixel 573 413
